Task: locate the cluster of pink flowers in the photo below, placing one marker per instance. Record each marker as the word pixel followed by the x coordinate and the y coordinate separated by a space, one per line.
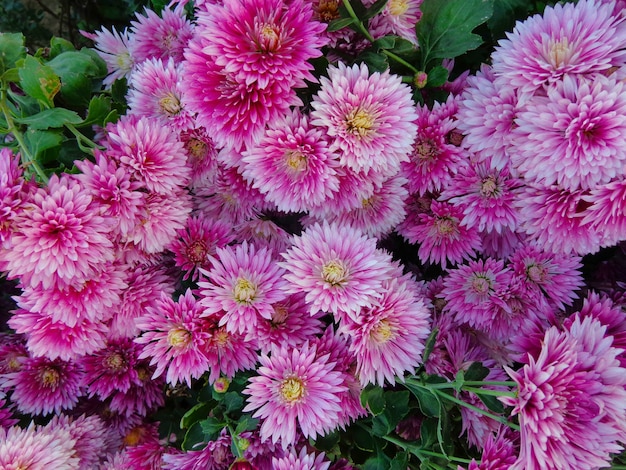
pixel 162 261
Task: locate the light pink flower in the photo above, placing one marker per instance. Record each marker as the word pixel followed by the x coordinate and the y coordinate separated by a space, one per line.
pixel 112 368
pixel 301 461
pixel 114 48
pixel 606 214
pixel 11 184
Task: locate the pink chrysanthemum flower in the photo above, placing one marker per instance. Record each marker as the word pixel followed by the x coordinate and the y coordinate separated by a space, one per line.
pixel 199 239
pixel 558 277
pixel 388 338
pixel 229 353
pixel 243 282
pixel 55 339
pixel 606 214
pixel 369 118
pixel 111 187
pixel 292 165
pixel 155 91
pixel 486 196
pixel 574 136
pixel 500 245
pixel 173 338
pixel 433 159
pixel 554 219
pixel 377 215
pixel 34 448
pixel 151 153
pixel 60 239
pixel 263 233
pixel 114 48
pixel 160 220
pixel 216 455
pixel 233 111
pixel 291 325
pixel 11 183
pixel 568 39
pixel 486 117
pixel 301 461
pixel 441 236
pixel 145 285
pixel 6 413
pixel 112 368
pixel 201 156
pixel 354 187
pixel 160 37
pixel 397 18
pixel 571 400
pixel 498 453
pixel 146 454
pixel 13 353
pixel 294 388
pixel 338 268
pixel 144 396
pixel 44 386
pixel 263 41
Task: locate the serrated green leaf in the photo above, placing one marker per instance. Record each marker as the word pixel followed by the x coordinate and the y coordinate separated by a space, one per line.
pixel 194 436
pixel 38 142
pixel 246 423
pixel 59 45
pixel 363 439
pixel 339 23
pixel 476 371
pixel 428 432
pixel 197 413
pixel 327 442
pixel 445 28
pixel 69 152
pixel 12 49
pixel 39 81
pixel 76 69
pixel 98 110
pixel 396 408
pixel 429 403
pixel 372 399
pixel 403 46
pixel 385 42
pixel 211 427
pixel 233 401
pixel 437 76
pixel 375 62
pixel 50 118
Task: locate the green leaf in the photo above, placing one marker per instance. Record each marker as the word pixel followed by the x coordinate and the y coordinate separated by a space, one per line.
pixel 396 408
pixel 476 371
pixel 98 110
pixel 11 50
pixel 194 436
pixel 399 462
pixel 50 118
pixel 372 399
pixel 38 142
pixel 375 62
pixel 403 46
pixel 246 423
pixel 380 462
pixel 385 42
pixel 233 401
pixel 428 402
pixel 437 76
pixel 327 442
pixel 491 402
pixel 197 413
pixel 59 45
pixel 211 427
pixel 430 344
pixel 505 13
pixel 339 23
pixel 76 69
pixel 39 81
pixel 445 28
pixel 363 439
pixel 428 432
pixel 375 9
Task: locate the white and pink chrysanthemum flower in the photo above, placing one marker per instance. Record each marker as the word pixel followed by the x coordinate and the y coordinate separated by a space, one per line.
pixel 216 455
pixel 574 135
pixel 201 156
pixel 242 283
pixel 338 268
pixel 11 184
pixel 60 239
pixel 302 460
pixel 292 165
pixel 388 338
pixel 605 214
pixel 114 47
pixel 369 118
pixel 571 400
pixel 173 338
pixel 398 18
pixel 295 392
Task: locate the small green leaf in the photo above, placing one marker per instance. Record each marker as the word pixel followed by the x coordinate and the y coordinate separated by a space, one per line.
pixel 50 118
pixel 363 439
pixel 194 436
pixel 211 427
pixel 246 423
pixel 39 81
pixel 380 462
pixel 396 408
pixel 233 401
pixel 399 462
pixel 38 142
pixel 428 432
pixel 428 402
pixel 445 28
pixel 372 399
pixel 76 69
pixel 197 413
pixel 60 45
pixel 339 23
pixel 476 371
pixel 99 108
pixel 385 42
pixel 403 46
pixel 327 442
pixel 11 50
pixel 430 344
pixel 437 76
pixel 375 62
pixel 491 402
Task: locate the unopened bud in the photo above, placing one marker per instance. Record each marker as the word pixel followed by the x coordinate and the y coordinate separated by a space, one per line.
pixel 221 385
pixel 420 79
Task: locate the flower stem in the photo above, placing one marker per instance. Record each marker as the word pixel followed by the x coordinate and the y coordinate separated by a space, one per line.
pixel 486 391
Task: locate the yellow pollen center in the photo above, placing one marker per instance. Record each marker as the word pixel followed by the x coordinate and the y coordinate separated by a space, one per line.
pixel 244 291
pixel 49 377
pixel 197 149
pixel 489 186
pixel 367 203
pixel 292 390
pixel 398 7
pixel 359 122
pixel 115 362
pixel 221 337
pixel 446 226
pixel 426 149
pixel 170 104
pixel 382 332
pixel 269 39
pixel 328 10
pixel 134 436
pixel 334 272
pixel 295 160
pixel 196 251
pixel 178 337
pixel 143 374
pixel 559 52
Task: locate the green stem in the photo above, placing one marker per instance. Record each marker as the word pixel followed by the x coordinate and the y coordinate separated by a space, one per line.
pixel 419 452
pixel 27 159
pixel 85 144
pixel 486 391
pixel 486 383
pixel 400 60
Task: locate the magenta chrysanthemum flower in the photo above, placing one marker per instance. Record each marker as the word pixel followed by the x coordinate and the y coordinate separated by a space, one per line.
pixel 11 183
pixel 571 400
pixel 34 448
pixel 114 48
pixel 301 461
pixel 262 232
pixel 294 388
pixel 243 282
pixel 486 196
pixel 486 117
pixel 377 215
pixel 173 338
pixel 216 455
pixel 44 386
pixel 388 338
pixel 398 18
pixel 160 37
pixel 201 156
pixel 263 41
pixel 150 152
pixel 61 239
pixel 155 91
pixel 441 236
pixel 144 395
pixel 568 39
pixel 292 165
pixel 112 368
pixel 606 214
pixel 200 238
pixel 338 268
pixel 554 219
pixel 574 136
pixel 369 118
pixel 6 413
pixel 498 453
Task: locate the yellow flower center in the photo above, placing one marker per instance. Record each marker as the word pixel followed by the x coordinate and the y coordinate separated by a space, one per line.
pixel 221 337
pixel 489 186
pixel 197 149
pixel 244 291
pixel 328 10
pixel 115 362
pixel 196 251
pixel 269 38
pixel 360 122
pixel 382 332
pixel 135 436
pixel 49 377
pixel 398 7
pixel 170 104
pixel 426 149
pixel 560 52
pixel 292 390
pixel 334 272
pixel 178 337
pixel 446 226
pixel 295 160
